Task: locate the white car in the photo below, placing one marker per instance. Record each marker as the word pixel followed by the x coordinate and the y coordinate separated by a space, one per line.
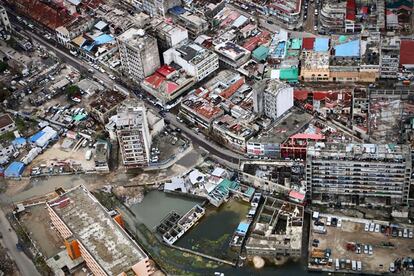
pixel 339 224
pixel 377 228
pixel 370 251
pixel 366 227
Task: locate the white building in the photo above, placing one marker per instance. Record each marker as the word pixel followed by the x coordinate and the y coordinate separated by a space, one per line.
pixel 133 134
pixel 6 150
pixel 5 22
pixel 169 34
pixel 159 7
pixel 194 59
pixel 232 55
pixel 272 98
pixel 139 53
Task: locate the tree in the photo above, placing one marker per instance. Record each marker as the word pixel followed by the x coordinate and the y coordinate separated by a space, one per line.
pixel 72 91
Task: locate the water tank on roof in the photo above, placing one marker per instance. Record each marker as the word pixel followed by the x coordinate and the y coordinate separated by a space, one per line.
pixel 141 32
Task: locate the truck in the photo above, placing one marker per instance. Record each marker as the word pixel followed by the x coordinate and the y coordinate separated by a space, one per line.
pixel 88 155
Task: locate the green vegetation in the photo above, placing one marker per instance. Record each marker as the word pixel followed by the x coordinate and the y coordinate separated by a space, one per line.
pixel 42 266
pixel 8 136
pixel 107 200
pixel 72 91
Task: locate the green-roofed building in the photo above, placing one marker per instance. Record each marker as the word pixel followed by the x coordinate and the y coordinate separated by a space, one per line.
pixel 261 53
pixel 289 74
pixel 296 44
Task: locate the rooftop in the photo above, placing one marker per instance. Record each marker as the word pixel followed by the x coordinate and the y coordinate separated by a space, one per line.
pixel 135 38
pixel 193 53
pixel 92 226
pixel 407 52
pixel 5 120
pixel 231 50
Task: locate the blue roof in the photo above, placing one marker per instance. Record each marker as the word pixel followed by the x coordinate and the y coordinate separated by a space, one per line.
pixel 242 228
pixel 36 136
pixel 15 169
pixel 19 141
pixel 102 39
pixel 321 44
pixel 348 49
pixel 177 10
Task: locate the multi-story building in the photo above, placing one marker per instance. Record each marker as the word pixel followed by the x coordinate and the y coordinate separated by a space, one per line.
pixel 358 174
pixel 139 53
pixel 168 34
pixel 101 158
pixel 232 55
pixel 287 12
pixel 5 22
pixel 332 16
pixel 272 98
pixel 390 57
pixel 196 60
pixel 133 134
pixel 65 34
pixel 90 232
pixel 6 123
pixel 277 230
pixel 315 66
pixel 159 7
pixel 192 22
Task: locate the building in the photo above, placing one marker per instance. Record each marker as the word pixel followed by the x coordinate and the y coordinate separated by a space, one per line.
pixel 315 66
pixel 167 84
pixel 168 34
pixel 232 55
pixel 6 123
pixel 277 230
pixel 102 152
pixel 139 53
pixel 5 22
pixel 90 232
pixel 133 134
pixel 272 98
pixel 105 105
pixel 7 149
pixel 287 12
pixel 332 16
pixel 196 60
pixel 390 57
pixel 358 174
pixel 67 32
pixel 190 21
pixel 159 7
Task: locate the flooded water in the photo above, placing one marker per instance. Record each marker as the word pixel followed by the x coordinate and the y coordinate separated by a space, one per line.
pixel 156 205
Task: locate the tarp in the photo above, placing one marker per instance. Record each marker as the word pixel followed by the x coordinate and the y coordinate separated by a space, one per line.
pixel 261 53
pixel 36 137
pixel 19 142
pixel 242 228
pixel 289 74
pixel 14 170
pixel 321 44
pixel 348 49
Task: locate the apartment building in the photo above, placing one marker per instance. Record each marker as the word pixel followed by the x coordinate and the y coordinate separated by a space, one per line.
pixel 390 57
pixel 65 33
pixel 277 230
pixel 133 134
pixel 288 12
pixel 90 232
pixel 168 34
pixel 4 19
pixel 358 174
pixel 272 98
pixel 101 158
pixel 159 7
pixel 195 24
pixel 232 55
pixel 196 60
pixel 332 16
pixel 139 53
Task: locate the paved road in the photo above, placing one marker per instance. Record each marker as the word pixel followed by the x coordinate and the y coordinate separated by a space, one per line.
pixel 198 139
pixel 24 264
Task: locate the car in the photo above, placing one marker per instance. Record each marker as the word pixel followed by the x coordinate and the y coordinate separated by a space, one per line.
pixel 400 233
pixel 371 227
pixel 377 228
pixel 315 28
pixel 358 249
pixel 366 249
pixel 392 267
pixel 370 251
pixel 410 234
pixel 328 221
pixel 269 22
pixel 339 223
pixel 366 227
pixel 102 70
pixel 394 232
pixel 90 70
pixel 405 233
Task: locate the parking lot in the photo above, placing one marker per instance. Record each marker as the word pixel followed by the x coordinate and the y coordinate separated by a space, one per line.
pixel 166 144
pixel 348 241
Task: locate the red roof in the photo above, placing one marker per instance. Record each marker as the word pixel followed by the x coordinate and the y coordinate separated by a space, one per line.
pixel 364 10
pixel 318 96
pixel 310 136
pixel 350 10
pixel 171 87
pixel 155 80
pixel 407 52
pixel 300 95
pixel 165 70
pixel 307 43
pixel 296 195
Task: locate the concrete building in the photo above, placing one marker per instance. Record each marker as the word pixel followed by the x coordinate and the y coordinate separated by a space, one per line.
pixel 332 16
pixel 272 98
pixel 7 149
pixel 159 7
pixel 196 60
pixel 315 66
pixel 5 22
pixel 192 22
pixel 133 134
pixel 277 230
pixel 65 34
pixel 168 34
pixel 102 151
pixel 105 105
pixel 232 55
pixel 358 174
pixel 90 232
pixel 139 53
pixel 390 57
pixel 6 123
pixel 287 12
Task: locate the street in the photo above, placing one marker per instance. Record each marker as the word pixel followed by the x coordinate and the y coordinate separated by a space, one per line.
pixel 25 265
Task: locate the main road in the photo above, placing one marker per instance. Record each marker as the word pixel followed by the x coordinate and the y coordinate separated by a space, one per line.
pixel 197 138
pixel 24 264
